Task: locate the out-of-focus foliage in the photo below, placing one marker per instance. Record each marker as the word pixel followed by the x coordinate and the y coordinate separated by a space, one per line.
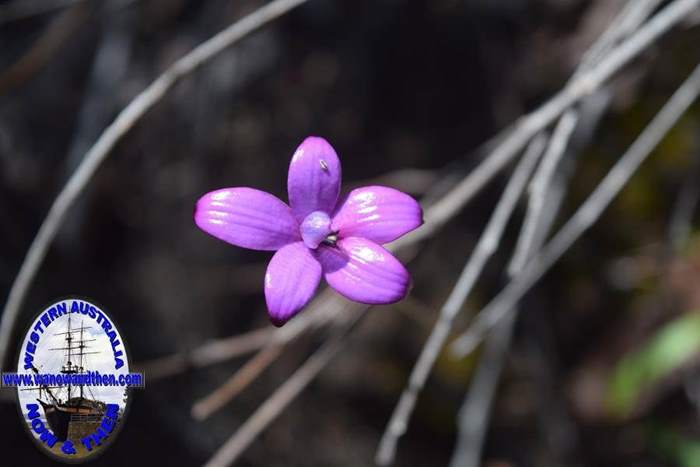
pixel 681 450
pixel 668 350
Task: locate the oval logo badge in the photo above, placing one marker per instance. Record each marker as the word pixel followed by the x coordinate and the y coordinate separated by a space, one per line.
pixel 73 380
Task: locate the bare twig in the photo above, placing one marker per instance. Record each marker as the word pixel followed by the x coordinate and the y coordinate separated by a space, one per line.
pixel 329 306
pixel 207 354
pixel 588 80
pixel 584 217
pixel 281 398
pixel 110 137
pixel 206 406
pixel 634 13
pixel 540 187
pixel 531 124
pixel 473 415
pixel 488 243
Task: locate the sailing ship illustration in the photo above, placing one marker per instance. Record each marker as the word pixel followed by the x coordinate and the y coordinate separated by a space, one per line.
pixel 72 411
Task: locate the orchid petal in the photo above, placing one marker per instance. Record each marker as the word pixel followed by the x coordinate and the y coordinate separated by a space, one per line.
pixel 314 177
pixel 378 213
pixel 247 218
pixel 290 281
pixel 363 271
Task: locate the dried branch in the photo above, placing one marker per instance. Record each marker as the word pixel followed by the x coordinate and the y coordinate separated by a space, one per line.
pixel 281 398
pixel 634 13
pixel 540 187
pixel 473 415
pixel 485 248
pixel 128 117
pixel 207 354
pixel 585 216
pixel 528 126
pixel 233 386
pixel 581 84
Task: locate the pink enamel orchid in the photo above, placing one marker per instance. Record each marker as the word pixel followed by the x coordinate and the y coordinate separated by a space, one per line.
pixel 317 234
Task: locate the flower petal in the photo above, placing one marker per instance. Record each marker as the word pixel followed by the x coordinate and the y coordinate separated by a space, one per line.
pixel 290 281
pixel 314 176
pixel 247 218
pixel 378 213
pixel 363 271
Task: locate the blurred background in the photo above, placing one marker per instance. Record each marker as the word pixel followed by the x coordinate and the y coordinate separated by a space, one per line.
pixel 603 369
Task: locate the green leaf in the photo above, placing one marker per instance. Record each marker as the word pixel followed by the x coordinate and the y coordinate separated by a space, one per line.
pixel 665 351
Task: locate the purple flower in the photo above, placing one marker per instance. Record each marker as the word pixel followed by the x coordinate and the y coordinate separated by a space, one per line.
pixel 318 234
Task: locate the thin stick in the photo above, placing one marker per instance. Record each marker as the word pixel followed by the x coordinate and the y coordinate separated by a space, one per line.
pixel 633 14
pixel 531 124
pixel 281 398
pixel 528 127
pixel 585 216
pixel 233 386
pixel 209 353
pixel 330 306
pixel 473 415
pixel 108 140
pixel 540 187
pixel 486 247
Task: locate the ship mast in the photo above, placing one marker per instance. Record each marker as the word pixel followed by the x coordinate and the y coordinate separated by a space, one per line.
pixel 68 369
pixel 74 343
pixel 81 346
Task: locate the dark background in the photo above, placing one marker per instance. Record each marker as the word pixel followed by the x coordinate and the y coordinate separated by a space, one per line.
pixel 392 84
